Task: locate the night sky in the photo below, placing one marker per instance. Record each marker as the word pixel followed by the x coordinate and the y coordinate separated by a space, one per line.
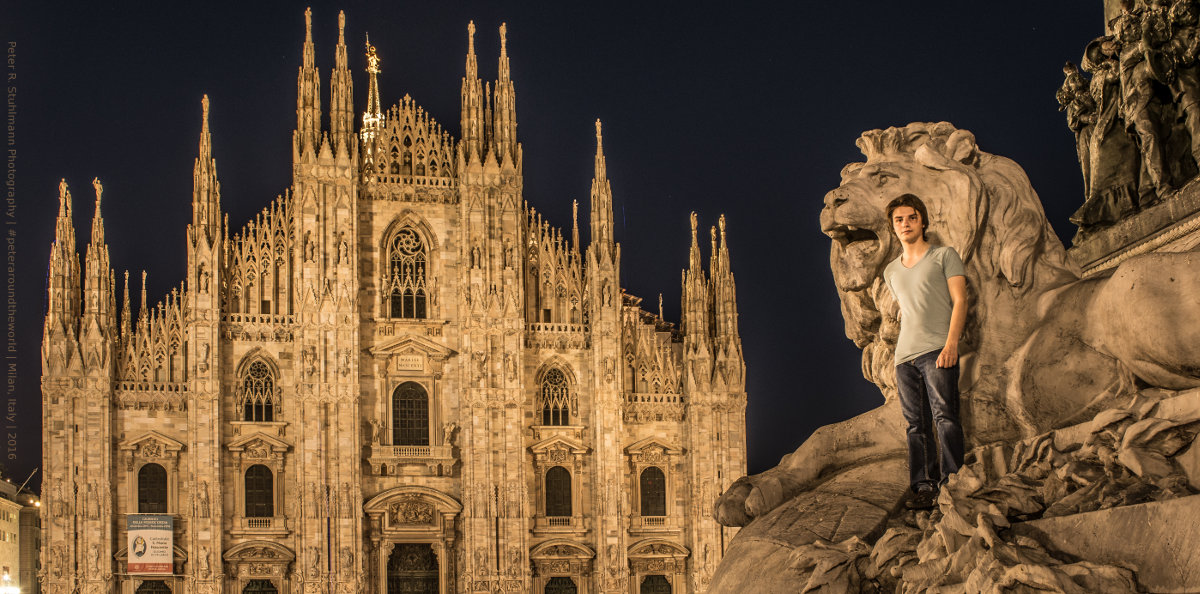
pixel 746 109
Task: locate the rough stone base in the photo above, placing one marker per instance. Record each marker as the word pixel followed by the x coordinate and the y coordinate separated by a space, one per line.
pixel 1160 541
pixel 856 502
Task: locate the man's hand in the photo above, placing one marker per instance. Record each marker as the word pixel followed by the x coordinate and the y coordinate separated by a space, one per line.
pixel 949 356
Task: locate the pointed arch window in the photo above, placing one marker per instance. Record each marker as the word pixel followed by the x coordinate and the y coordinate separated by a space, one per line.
pixel 258 398
pixel 653 492
pixel 153 587
pixel 406 283
pixel 555 399
pixel 260 492
pixel 558 492
pixel 410 415
pixel 152 489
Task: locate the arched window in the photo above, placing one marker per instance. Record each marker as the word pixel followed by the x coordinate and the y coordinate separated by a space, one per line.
pixel 257 394
pixel 410 415
pixel 260 492
pixel 555 401
pixel 558 492
pixel 653 492
pixel 152 489
pixel 405 285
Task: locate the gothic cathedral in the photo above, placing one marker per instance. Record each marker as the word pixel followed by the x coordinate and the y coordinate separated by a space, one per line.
pixel 396 378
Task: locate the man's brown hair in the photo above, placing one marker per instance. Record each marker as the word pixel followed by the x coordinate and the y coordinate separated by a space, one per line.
pixel 915 203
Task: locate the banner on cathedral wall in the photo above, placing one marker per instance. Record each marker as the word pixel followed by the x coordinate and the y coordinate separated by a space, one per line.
pixel 151 543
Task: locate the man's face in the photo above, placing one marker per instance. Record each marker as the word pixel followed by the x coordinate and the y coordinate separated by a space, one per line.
pixel 907 224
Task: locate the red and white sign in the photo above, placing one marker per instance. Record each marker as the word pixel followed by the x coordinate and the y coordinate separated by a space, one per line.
pixel 151 543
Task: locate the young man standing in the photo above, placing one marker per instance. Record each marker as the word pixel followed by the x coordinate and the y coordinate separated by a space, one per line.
pixel 931 287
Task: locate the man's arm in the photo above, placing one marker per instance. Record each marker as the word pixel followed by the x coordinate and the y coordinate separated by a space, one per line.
pixel 958 320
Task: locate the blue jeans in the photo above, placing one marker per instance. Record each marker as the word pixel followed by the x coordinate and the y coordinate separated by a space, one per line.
pixel 929 400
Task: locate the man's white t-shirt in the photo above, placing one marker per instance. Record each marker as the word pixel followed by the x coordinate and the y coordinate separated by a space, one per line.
pixel 924 299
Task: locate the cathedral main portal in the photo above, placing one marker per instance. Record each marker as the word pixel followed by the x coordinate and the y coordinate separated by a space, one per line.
pixel 412 569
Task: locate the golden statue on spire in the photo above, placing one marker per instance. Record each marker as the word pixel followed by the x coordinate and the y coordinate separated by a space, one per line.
pixel 372 59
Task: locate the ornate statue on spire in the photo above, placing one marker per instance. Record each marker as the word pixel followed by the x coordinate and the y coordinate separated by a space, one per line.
pixel 372 58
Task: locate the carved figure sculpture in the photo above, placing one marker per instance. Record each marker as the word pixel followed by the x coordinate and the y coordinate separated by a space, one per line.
pixel 1111 174
pixel 202 498
pixel 1185 84
pixel 1141 37
pixel 1075 97
pixel 1074 345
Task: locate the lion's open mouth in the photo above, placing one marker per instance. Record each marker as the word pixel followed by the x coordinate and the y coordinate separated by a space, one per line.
pixel 847 235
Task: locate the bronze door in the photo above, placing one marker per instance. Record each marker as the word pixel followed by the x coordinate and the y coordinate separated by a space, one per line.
pixel 153 587
pixel 655 584
pixel 259 587
pixel 561 585
pixel 412 569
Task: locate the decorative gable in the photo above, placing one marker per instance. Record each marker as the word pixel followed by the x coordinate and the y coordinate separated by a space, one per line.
pixel 411 353
pixel 651 450
pixel 258 446
pixel 152 446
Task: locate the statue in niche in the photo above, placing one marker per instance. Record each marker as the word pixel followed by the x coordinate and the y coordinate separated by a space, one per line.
pixel 56 561
pixel 308 249
pixel 344 362
pixel 314 562
pixel 202 500
pixel 448 433
pixel 308 362
pixel 376 431
pixel 205 569
pixel 480 366
pixel 510 366
pixel 204 354
pixel 92 501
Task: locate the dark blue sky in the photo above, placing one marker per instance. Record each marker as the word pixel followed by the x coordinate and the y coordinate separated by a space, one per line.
pixel 746 109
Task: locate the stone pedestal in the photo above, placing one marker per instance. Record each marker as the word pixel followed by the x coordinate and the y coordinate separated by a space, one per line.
pixel 1172 225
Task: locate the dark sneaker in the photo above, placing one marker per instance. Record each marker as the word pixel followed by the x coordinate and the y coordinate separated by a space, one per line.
pixel 924 497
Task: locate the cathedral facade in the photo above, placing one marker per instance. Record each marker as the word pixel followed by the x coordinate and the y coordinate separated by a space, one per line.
pixel 396 378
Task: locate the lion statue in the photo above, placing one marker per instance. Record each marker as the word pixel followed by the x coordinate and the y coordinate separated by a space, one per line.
pixel 1042 348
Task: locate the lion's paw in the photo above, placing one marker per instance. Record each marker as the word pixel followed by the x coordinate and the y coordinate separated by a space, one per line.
pixel 746 499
